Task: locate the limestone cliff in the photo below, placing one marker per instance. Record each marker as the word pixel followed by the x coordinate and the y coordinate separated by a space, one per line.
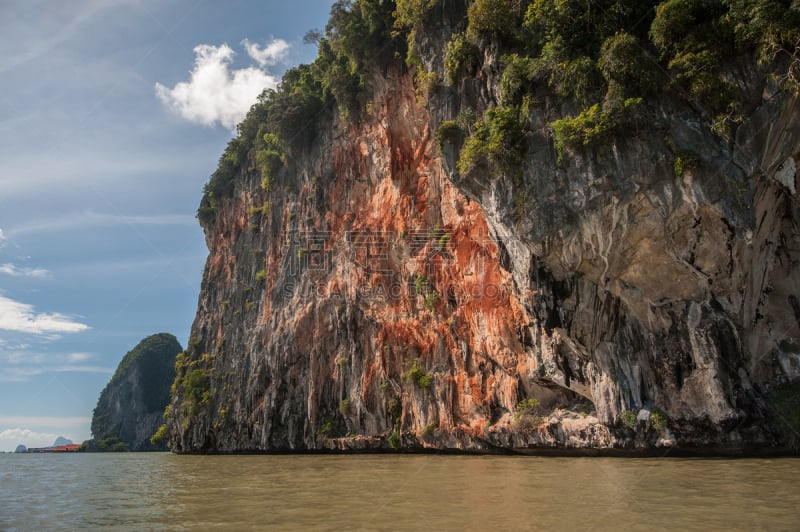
pixel 370 292
pixel 131 406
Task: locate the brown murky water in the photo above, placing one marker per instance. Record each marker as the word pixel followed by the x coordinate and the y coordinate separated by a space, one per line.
pixel 388 492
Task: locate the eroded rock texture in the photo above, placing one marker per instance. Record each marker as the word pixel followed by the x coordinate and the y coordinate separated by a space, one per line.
pixel 404 305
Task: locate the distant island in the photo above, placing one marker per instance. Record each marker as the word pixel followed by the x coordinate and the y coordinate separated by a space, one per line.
pixel 61 445
pixel 130 408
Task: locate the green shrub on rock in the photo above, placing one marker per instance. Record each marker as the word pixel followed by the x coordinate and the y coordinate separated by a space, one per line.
pixel 526 415
pixel 497 143
pixel 460 55
pixel 629 419
pixel 490 18
pixel 658 419
pixel 623 60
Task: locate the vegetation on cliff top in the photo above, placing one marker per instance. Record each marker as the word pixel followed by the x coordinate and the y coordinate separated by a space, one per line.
pixel 597 60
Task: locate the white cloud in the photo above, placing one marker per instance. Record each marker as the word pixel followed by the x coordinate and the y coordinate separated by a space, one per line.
pixel 215 93
pixel 24 373
pixel 81 220
pixel 46 421
pixel 269 54
pixel 21 317
pixel 78 357
pixel 16 271
pixel 2 235
pixel 41 431
pixel 10 438
pixel 21 365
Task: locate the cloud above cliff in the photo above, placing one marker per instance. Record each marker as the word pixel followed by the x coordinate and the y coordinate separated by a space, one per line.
pixel 216 93
pixel 269 54
pixel 22 318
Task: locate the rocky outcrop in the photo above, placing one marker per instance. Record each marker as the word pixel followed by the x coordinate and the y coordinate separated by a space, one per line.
pixel 131 406
pixel 600 300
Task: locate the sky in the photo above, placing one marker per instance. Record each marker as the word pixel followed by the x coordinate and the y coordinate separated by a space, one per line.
pixel 113 114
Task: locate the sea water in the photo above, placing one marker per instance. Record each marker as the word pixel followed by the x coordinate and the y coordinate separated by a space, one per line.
pixel 395 492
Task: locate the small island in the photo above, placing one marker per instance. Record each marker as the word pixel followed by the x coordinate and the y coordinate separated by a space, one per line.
pixel 130 408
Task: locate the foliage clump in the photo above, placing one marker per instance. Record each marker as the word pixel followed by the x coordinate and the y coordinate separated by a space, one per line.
pixel 629 419
pixel 410 16
pixel 497 143
pixel 428 430
pixel 624 61
pixel 111 444
pixel 395 409
pixel 460 55
pixel 526 415
pixel 270 159
pixel 416 374
pixel 491 18
pixel 448 131
pixel 658 419
pixel 344 406
pixel 685 160
pixel 327 428
pixel 580 130
pixel 194 384
pixel 394 437
pixel 599 58
pixel 160 436
pixel 431 299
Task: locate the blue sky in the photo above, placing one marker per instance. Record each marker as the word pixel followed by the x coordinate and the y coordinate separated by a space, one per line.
pixel 113 114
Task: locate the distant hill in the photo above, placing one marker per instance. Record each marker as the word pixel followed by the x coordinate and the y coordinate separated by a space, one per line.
pixel 131 406
pixel 61 440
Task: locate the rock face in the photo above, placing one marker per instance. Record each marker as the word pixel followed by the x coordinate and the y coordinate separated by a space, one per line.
pixel 131 406
pixel 599 301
